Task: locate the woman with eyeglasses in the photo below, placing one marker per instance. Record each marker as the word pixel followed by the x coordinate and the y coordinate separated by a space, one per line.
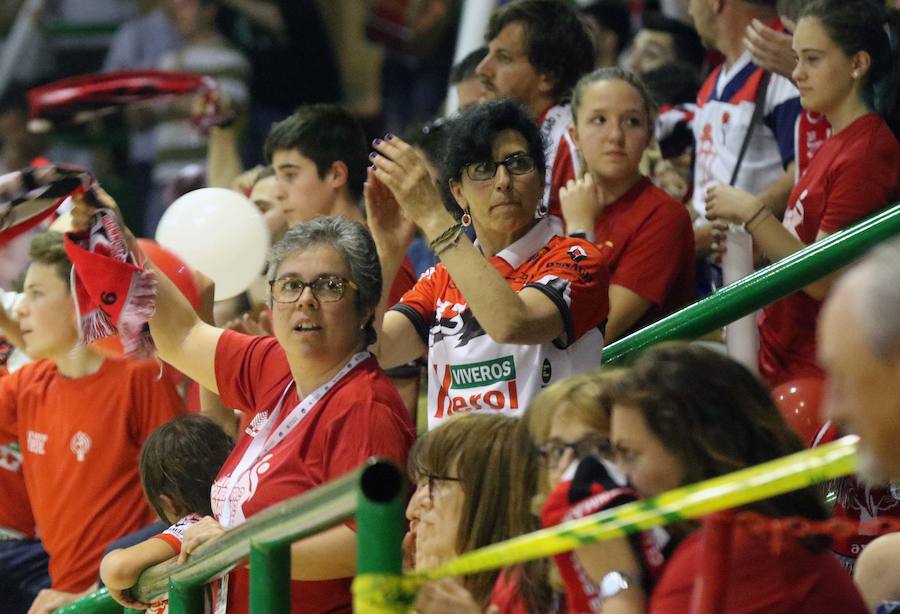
pixel 320 404
pixel 682 414
pixel 475 476
pixel 500 317
pixel 569 424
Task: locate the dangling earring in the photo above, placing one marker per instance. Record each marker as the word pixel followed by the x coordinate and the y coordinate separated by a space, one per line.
pixel 466 219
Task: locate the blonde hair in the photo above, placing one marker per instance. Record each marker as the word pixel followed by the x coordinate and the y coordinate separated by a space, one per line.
pixel 578 397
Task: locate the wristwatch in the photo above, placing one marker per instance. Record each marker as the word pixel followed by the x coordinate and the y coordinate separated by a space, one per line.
pixel 614 583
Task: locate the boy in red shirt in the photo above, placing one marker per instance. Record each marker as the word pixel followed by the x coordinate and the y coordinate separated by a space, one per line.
pixel 80 420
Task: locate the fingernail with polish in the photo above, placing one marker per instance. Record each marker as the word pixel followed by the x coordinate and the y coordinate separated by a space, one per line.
pixel 388 136
pixel 372 155
pixel 376 142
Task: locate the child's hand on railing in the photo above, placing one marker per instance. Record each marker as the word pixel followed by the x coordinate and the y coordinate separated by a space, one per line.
pixel 126 599
pixel 205 530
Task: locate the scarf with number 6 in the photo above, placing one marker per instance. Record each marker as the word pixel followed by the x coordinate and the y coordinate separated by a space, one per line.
pixel 112 292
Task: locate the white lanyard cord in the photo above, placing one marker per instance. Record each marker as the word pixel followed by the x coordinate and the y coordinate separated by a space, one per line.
pixel 263 443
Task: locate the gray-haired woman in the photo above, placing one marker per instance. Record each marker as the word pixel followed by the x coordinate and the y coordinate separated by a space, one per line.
pixel 319 402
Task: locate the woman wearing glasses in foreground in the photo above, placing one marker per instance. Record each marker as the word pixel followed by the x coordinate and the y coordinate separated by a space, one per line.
pixel 504 316
pixel 320 403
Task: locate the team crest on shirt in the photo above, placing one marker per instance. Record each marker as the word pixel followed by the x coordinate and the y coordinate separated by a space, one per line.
pixel 36 442
pixel 577 253
pixel 80 445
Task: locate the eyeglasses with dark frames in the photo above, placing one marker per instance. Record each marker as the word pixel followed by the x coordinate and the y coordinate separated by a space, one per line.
pixel 592 445
pixel 437 478
pixel 516 164
pixel 326 288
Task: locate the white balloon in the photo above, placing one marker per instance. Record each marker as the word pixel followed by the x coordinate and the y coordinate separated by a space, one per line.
pixel 220 233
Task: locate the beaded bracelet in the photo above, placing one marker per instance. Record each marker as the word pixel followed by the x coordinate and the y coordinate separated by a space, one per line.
pixel 446 239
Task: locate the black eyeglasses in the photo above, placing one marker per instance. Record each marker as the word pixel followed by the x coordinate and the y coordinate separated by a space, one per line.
pixel 437 478
pixel 326 289
pixel 592 445
pixel 516 164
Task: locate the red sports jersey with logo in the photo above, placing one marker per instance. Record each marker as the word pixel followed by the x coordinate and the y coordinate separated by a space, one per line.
pixel 467 370
pixel 646 238
pixel 854 173
pixel 560 153
pixel 783 578
pixel 81 439
pixel 361 416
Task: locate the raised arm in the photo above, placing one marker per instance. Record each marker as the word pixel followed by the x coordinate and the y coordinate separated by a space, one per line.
pixel 526 317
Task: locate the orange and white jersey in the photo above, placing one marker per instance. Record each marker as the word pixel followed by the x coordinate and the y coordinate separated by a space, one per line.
pixel 470 372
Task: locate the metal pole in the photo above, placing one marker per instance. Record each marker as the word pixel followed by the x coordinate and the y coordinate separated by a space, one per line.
pixel 270 579
pixel 473 22
pixel 379 520
pixel 96 603
pixel 23 27
pixel 763 287
pixel 380 527
pixel 185 599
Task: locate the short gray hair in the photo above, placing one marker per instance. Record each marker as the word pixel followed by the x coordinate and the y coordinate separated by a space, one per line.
pixel 355 245
pixel 878 298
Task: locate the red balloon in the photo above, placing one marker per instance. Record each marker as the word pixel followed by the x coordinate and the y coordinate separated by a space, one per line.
pixel 799 401
pixel 174 268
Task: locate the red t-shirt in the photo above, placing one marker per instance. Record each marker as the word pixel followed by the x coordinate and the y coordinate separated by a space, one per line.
pixel 361 416
pixel 80 440
pixel 404 281
pixel 647 240
pixel 854 173
pixel 791 580
pixel 15 509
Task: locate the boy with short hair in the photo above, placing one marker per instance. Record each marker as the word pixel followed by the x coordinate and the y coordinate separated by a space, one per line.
pixel 179 462
pixel 80 419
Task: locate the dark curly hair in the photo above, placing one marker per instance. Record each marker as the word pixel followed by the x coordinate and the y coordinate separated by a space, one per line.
pixel 472 134
pixel 556 39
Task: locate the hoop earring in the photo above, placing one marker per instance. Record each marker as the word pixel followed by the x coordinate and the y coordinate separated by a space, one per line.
pixel 466 219
pixel 542 209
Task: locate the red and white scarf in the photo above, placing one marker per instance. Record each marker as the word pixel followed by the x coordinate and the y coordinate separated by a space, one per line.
pixel 30 195
pixel 112 291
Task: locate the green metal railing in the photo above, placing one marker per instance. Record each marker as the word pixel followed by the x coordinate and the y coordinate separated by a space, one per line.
pixel 374 494
pixel 765 286
pixel 266 538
